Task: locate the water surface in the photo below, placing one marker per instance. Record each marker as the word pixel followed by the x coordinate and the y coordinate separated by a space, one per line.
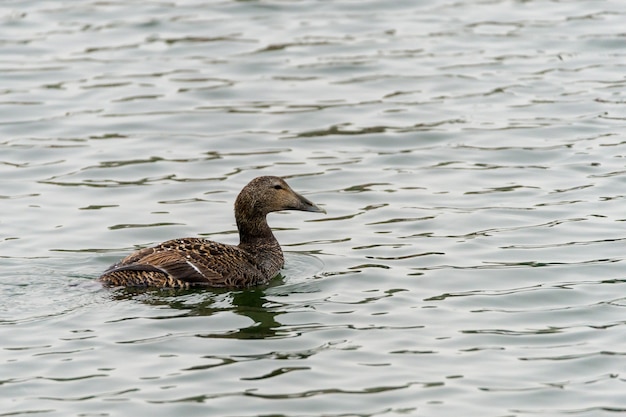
pixel 470 156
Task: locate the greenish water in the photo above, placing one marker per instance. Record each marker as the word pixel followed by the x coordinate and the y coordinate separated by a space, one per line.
pixel 470 156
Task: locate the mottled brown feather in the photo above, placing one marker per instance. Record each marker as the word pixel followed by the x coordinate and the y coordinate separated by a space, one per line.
pixel 191 262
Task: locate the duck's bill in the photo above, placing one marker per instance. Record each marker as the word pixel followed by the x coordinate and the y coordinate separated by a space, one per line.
pixel 307 205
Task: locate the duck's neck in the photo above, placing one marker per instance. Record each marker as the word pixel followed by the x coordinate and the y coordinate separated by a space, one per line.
pixel 256 239
pixel 253 230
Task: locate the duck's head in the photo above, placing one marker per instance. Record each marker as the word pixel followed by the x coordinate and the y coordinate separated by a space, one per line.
pixel 265 195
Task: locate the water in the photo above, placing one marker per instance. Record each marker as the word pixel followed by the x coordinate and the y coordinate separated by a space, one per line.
pixel 470 156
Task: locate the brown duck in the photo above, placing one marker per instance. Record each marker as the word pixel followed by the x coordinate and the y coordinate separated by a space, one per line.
pixel 195 262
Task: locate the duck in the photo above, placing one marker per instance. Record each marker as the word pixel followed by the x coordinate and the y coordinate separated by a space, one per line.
pixel 197 262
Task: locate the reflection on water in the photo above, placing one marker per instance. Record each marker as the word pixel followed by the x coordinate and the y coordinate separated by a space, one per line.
pixel 470 157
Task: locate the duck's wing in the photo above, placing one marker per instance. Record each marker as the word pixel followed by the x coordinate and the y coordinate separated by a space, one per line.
pixel 178 263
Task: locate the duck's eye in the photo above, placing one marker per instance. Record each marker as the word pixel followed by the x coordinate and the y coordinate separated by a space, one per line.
pixel 278 187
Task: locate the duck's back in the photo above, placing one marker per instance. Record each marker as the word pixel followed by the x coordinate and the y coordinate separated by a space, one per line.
pixel 188 262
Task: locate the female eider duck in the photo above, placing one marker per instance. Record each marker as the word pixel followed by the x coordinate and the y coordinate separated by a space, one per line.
pixel 196 262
